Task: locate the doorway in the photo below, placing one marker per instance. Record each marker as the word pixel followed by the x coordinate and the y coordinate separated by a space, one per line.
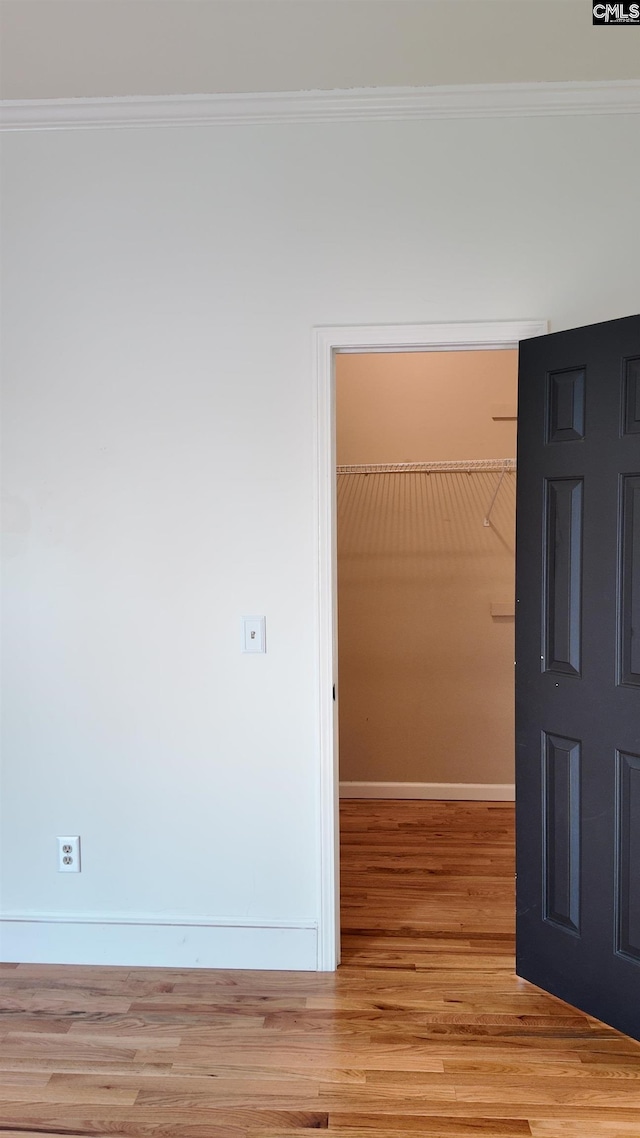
pixel 426 446
pixel 328 343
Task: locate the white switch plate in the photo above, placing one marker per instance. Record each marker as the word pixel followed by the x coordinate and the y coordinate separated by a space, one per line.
pixel 254 634
pixel 69 855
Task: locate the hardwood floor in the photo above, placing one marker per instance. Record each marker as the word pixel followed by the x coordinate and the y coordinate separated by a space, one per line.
pixel 424 1030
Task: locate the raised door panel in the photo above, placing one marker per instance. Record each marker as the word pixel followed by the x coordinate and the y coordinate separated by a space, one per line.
pixel 628 856
pixel 629 591
pixel 561 822
pixel 565 405
pixel 563 575
pixel 631 396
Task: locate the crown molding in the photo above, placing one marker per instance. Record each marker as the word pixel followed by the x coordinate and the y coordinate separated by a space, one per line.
pixel 364 104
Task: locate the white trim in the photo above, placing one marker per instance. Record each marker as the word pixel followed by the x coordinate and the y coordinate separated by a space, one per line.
pixel 154 919
pixel 471 336
pixel 326 640
pixel 326 341
pixel 368 104
pixel 447 791
pixel 157 941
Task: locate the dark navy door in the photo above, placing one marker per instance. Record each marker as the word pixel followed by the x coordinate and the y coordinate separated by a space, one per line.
pixel 578 669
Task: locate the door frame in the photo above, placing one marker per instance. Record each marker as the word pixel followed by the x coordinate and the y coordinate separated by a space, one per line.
pixel 327 343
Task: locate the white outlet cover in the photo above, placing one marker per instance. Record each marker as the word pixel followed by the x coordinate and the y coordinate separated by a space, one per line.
pixel 69 854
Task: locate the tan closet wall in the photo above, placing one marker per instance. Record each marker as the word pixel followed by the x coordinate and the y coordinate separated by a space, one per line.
pixel 425 670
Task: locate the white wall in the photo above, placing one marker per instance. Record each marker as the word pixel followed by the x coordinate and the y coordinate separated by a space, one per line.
pixel 159 291
pixel 69 48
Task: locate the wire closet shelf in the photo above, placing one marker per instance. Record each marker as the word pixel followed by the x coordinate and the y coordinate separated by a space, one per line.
pixel 457 466
pixel 501 466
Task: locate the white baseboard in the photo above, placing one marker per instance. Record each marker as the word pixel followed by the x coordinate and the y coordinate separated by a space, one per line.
pixel 456 791
pixel 32 938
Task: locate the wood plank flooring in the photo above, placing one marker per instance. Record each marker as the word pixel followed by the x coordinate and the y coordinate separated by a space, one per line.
pixel 424 1030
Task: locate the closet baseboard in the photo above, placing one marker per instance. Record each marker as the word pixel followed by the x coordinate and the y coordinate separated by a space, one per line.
pixel 458 791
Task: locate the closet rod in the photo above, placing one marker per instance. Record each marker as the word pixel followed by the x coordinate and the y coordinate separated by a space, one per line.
pixel 469 466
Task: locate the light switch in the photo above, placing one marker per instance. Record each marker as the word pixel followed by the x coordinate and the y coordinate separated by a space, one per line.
pixel 254 635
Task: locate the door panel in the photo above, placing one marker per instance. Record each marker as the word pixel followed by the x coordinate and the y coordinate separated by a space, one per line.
pixel 628 825
pixel 632 397
pixel 561 821
pixel 563 574
pixel 629 613
pixel 578 669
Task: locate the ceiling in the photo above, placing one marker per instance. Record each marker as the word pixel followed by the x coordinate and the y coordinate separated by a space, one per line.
pixel 72 48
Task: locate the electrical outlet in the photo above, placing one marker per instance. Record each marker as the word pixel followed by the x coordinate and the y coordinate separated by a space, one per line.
pixel 69 855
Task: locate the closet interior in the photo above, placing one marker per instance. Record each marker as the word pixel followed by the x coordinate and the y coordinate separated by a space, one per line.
pixel 426 545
